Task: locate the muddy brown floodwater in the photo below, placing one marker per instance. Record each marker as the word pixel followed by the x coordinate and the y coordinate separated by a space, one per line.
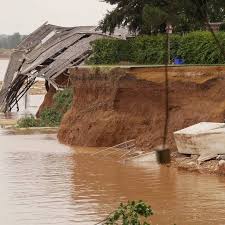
pixel 45 183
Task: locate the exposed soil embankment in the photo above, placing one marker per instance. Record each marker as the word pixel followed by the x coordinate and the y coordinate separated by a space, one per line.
pixel 112 105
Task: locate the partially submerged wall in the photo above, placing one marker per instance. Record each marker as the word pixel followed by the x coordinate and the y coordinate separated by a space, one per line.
pixel 112 105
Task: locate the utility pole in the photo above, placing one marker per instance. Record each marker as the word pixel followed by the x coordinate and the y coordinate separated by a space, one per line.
pixel 163 152
pixel 169 31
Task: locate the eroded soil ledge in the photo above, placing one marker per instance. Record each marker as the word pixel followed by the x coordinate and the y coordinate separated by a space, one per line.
pixel 112 105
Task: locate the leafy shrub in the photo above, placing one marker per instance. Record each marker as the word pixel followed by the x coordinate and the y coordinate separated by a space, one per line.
pixel 195 48
pixel 63 100
pixel 50 117
pixel 28 121
pixel 201 48
pixel 130 213
pixel 222 27
pixel 147 49
pixel 109 51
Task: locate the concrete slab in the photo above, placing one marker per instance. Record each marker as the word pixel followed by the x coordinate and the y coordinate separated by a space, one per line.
pixel 201 139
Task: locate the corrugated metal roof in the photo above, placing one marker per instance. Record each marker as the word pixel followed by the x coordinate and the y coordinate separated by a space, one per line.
pixel 48 52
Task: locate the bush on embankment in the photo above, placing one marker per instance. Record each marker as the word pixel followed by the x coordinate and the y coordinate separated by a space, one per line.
pixel 195 48
pixel 50 117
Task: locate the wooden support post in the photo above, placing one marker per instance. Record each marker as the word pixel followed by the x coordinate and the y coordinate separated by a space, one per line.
pixel 163 155
pixel 26 101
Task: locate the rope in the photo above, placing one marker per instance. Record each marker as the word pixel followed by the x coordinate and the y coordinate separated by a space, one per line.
pixel 204 15
pixel 166 96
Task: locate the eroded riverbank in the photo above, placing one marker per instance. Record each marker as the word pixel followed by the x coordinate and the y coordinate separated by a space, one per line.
pixel 115 104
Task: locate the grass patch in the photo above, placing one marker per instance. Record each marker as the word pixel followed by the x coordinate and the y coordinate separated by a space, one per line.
pixel 28 121
pixel 50 118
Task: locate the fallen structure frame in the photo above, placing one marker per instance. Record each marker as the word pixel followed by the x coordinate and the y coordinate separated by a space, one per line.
pixel 47 53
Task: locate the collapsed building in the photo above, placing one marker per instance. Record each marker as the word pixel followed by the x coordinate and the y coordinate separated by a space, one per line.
pixel 47 53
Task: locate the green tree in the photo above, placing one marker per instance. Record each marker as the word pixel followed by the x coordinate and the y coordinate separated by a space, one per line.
pixel 151 16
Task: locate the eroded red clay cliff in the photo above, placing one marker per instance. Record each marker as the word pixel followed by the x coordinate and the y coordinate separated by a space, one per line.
pixel 114 105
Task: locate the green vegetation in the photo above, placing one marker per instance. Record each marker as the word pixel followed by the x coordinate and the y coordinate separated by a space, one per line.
pixel 222 27
pixel 63 100
pixel 50 117
pixel 28 121
pixel 152 16
pixel 131 213
pixel 109 51
pixel 195 48
pixel 201 48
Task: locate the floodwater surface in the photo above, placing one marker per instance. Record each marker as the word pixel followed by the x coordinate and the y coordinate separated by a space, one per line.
pixel 45 183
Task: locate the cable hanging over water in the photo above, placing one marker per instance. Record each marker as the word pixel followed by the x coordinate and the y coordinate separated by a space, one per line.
pixel 204 16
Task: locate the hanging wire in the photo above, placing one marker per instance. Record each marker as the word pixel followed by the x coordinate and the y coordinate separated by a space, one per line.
pixel 204 14
pixel 166 96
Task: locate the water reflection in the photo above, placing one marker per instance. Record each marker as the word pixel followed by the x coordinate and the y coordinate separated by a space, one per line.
pixel 45 183
pixel 175 196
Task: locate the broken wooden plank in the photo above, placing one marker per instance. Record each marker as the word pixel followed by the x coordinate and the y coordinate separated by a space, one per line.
pixel 50 53
pixel 59 36
pixel 64 60
pixel 32 40
pixel 16 60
